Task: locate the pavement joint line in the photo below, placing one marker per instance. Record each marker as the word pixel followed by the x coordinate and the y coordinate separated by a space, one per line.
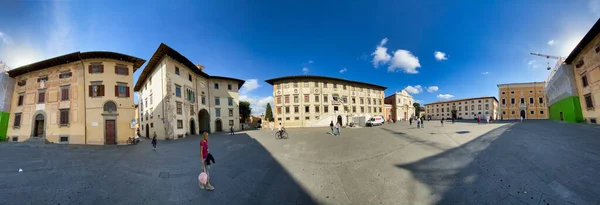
pixel 394 149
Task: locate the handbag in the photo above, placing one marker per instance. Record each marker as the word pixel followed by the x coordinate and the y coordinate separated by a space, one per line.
pixel 202 178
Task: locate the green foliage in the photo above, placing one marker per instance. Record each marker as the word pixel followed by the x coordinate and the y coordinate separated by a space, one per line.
pixel 417 109
pixel 269 113
pixel 245 110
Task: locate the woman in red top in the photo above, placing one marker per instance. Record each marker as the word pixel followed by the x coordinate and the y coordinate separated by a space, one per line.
pixel 203 154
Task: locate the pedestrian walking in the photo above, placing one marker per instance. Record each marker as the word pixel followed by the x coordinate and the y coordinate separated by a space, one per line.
pixel 418 123
pixel 154 141
pixel 337 126
pixel 410 121
pixel 231 131
pixel 521 118
pixel 204 156
pixel 488 120
pixel 423 122
pixel 331 126
pixel 442 121
pixel 478 119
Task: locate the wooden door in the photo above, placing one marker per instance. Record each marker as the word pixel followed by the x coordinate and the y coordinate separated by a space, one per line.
pixel 110 132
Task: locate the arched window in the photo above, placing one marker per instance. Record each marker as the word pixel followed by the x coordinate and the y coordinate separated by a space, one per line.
pixel 110 107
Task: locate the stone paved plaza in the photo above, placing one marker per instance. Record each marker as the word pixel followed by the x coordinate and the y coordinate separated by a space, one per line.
pixel 535 162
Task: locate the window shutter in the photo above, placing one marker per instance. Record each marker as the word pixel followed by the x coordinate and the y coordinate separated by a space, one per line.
pixel 91 90
pixel 127 91
pixel 101 90
pixel 127 71
pixel 116 91
pixel 116 69
pixel 101 68
pixel 90 68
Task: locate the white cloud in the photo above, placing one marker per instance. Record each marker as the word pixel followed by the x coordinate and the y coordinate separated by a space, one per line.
pixel 380 55
pixel 551 42
pixel 258 104
pixel 249 85
pixel 414 90
pixel 310 62
pixel 485 73
pixel 433 89
pixel 404 60
pixel 418 101
pixel 343 70
pixel 440 56
pixel 305 70
pixel 532 64
pixel 445 96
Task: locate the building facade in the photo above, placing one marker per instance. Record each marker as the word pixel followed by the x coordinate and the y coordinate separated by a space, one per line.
pixel 402 105
pixel 561 92
pixel 78 98
pixel 315 101
pixel 527 100
pixel 468 108
pixel 177 98
pixel 586 67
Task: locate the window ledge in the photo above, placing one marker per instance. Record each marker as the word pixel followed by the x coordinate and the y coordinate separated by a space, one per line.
pixel 16 127
pixel 63 125
pixel 590 108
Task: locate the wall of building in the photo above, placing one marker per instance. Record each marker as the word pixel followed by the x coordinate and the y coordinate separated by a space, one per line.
pixel 475 107
pixel 7 85
pixel 590 69
pixel 570 109
pixel 151 103
pixel 95 114
pixel 316 87
pixel 535 110
pixel 223 93
pixel 51 108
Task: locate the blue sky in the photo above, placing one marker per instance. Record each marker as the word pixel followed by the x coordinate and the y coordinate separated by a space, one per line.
pixel 390 43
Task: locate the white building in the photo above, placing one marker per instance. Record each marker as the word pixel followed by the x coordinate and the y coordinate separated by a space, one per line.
pixel 177 98
pixel 468 108
pixel 402 105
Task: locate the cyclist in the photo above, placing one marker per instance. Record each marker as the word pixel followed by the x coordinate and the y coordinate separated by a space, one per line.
pixel 281 129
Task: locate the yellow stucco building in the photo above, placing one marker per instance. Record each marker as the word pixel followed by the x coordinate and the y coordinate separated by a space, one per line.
pixel 523 99
pixel 78 98
pixel 586 60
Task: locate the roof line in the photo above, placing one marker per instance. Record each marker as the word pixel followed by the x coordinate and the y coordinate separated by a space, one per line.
pixel 591 34
pixel 271 81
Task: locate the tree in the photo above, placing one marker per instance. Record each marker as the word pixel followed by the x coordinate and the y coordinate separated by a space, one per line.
pixel 245 110
pixel 269 113
pixel 417 109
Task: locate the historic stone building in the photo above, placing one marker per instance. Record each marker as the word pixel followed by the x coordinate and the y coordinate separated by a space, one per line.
pixel 314 101
pixel 468 108
pixel 78 98
pixel 402 105
pixel 177 98
pixel 527 100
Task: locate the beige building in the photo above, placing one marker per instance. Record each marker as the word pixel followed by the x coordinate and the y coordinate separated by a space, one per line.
pixel 177 98
pixel 523 99
pixel 468 108
pixel 314 101
pixel 587 73
pixel 402 105
pixel 78 98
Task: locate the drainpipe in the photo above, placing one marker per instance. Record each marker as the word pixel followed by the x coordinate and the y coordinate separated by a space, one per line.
pixel 84 99
pixel 162 79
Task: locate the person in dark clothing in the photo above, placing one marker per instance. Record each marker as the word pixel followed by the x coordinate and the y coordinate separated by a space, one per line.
pixel 331 126
pixel 154 141
pixel 231 131
pixel 410 121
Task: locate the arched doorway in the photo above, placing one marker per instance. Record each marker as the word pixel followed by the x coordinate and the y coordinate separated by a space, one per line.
pixel 39 125
pixel 192 127
pixel 204 121
pixel 218 125
pixel 110 123
pixel 147 131
pixel 523 114
pixel 339 120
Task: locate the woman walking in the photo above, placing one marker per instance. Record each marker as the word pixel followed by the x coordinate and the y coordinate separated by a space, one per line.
pixel 337 126
pixel 204 152
pixel 154 141
pixel 331 126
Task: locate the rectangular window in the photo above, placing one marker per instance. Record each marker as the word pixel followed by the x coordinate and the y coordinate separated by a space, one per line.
pixel 96 68
pixel 306 84
pixel 65 75
pixel 512 101
pixel 541 100
pixel 316 98
pixel 216 85
pixel 369 109
pixel 287 99
pixel 179 124
pixel 177 90
pixel 487 107
pixel 42 78
pixel 179 108
pixel 353 108
pixel 344 87
pixel 287 110
pixel 229 87
pixel 21 99
pixel 41 96
pixel 334 85
pixel 317 110
pixel 589 104
pixel 17 122
pixel 296 118
pixel 22 83
pixel 190 77
pixel 306 98
pixel 369 101
pixel 362 101
pixel 121 90
pixel 121 70
pixel 230 112
pixel 324 98
pixel 541 112
pixel 522 100
pixel 177 70
pixel 64 93
pixel 473 107
pixel 278 110
pixel 296 99
pixel 504 101
pixel 325 84
pixel 326 109
pixel 478 107
pixel 306 109
pixel 296 109
pixel 217 101
pixel 362 109
pixel 64 117
pixel 295 84
pixel 584 80
pixel 218 112
pixel 230 101
pixel 230 122
pixel 203 99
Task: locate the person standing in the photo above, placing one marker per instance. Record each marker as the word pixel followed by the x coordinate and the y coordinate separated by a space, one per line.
pixel 488 120
pixel 204 152
pixel 521 118
pixel 410 121
pixel 337 126
pixel 154 141
pixel 331 126
pixel 418 123
pixel 442 121
pixel 423 122
pixel 478 119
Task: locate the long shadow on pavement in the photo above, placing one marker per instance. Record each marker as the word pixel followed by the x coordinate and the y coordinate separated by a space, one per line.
pixel 539 162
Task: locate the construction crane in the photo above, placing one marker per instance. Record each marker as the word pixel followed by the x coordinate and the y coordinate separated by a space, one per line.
pixel 548 57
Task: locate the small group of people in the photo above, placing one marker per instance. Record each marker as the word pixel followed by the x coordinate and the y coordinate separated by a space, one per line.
pixel 337 127
pixel 420 122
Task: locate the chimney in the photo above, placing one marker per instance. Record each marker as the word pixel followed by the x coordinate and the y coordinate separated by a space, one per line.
pixel 200 66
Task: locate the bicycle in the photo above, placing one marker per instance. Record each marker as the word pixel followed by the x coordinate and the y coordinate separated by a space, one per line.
pixel 281 135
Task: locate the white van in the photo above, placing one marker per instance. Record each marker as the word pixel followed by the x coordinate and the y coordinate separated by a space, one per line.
pixel 375 120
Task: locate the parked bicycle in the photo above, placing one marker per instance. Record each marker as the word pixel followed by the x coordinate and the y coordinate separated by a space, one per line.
pixel 132 141
pixel 281 134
